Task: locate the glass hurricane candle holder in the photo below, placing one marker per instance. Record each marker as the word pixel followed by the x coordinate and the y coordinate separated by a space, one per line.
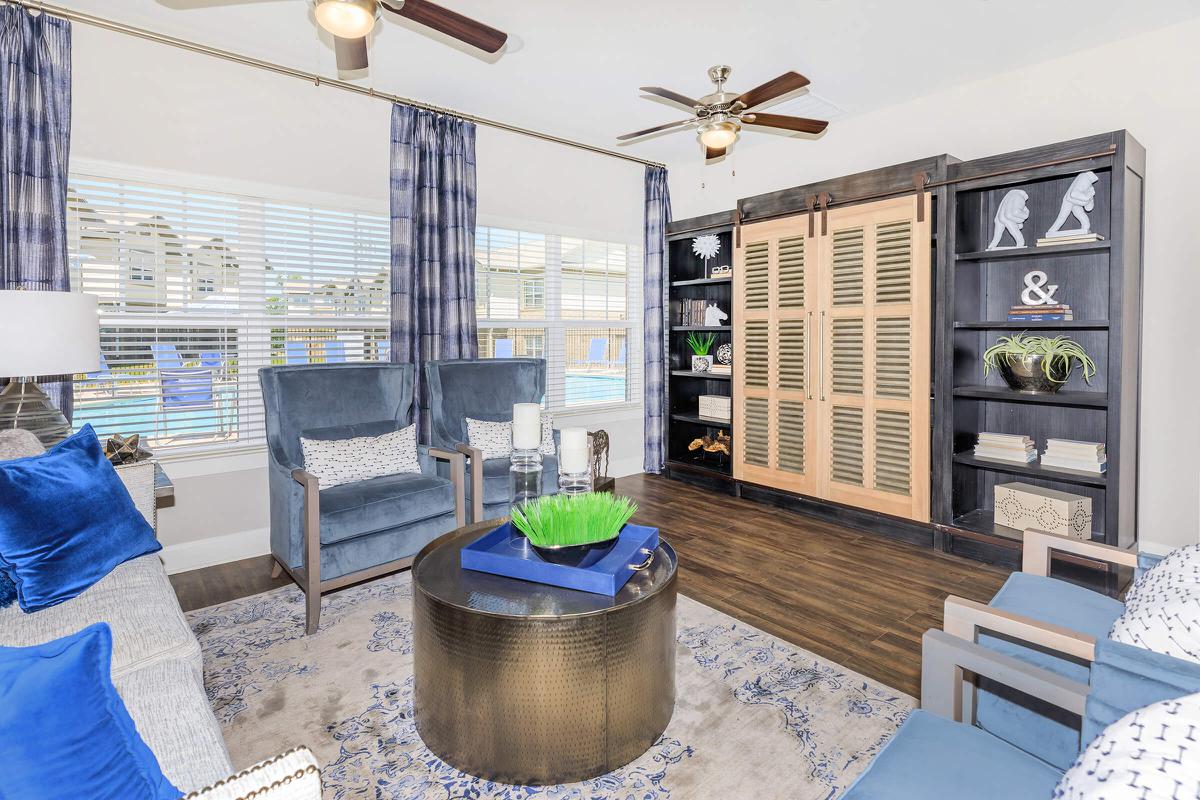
pixel 575 482
pixel 525 475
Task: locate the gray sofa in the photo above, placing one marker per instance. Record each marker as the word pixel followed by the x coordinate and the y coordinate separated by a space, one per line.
pixel 156 663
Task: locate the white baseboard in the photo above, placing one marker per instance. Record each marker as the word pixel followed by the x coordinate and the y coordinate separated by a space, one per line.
pixel 202 553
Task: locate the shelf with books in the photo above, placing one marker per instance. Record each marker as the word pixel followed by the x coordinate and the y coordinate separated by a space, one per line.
pixel 1034 470
pixel 702 282
pixel 715 328
pixel 704 376
pixel 1061 324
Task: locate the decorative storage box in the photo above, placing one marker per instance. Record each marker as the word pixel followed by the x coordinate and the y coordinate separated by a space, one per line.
pixel 1021 506
pixel 716 406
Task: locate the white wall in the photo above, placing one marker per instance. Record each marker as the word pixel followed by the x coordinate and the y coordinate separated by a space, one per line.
pixel 147 110
pixel 1144 84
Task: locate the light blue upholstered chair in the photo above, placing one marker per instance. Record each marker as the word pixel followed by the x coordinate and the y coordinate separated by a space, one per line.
pixel 485 389
pixel 330 538
pixel 934 754
pixel 1048 623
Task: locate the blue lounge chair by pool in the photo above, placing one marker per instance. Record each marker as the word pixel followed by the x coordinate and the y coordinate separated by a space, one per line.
pixel 597 349
pixel 101 379
pixel 620 362
pixel 504 348
pixel 211 360
pixel 295 353
pixel 335 352
pixel 166 356
pixel 385 351
pixel 185 395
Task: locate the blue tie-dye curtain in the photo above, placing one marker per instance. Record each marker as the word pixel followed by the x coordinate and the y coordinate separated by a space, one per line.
pixel 654 292
pixel 433 243
pixel 35 135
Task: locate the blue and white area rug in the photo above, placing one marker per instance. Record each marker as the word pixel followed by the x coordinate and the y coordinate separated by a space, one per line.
pixel 754 716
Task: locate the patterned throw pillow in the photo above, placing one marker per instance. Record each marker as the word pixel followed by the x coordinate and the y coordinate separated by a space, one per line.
pixel 1162 608
pixel 1178 571
pixel 495 438
pixel 338 461
pixel 1148 753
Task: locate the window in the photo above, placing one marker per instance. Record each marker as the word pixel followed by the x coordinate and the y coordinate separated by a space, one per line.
pixel 575 302
pixel 198 290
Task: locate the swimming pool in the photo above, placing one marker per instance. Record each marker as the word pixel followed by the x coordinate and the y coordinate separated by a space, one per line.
pixel 143 415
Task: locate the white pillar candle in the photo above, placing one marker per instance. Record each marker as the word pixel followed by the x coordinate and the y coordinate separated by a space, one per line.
pixel 574 451
pixel 527 426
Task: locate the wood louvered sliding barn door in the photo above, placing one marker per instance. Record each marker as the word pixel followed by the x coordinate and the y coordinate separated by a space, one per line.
pixel 774 292
pixel 873 371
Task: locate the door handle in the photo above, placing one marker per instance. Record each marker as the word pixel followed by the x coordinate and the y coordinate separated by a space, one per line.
pixel 821 362
pixel 808 342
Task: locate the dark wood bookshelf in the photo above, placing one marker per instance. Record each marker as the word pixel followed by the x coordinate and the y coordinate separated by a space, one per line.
pixel 1002 394
pixel 702 282
pixel 707 376
pixel 1034 470
pixel 1049 251
pixel 1101 281
pixel 689 280
pixel 1045 325
pixel 696 419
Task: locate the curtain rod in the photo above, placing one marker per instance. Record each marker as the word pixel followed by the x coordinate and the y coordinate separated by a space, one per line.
pixel 311 77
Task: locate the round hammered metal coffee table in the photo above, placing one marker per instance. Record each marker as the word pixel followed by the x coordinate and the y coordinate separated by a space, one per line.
pixel 530 684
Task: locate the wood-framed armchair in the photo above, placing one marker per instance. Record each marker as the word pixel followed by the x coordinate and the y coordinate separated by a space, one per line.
pixel 1049 623
pixel 938 752
pixel 330 538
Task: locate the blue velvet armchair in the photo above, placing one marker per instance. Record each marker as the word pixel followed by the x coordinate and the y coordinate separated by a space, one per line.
pixel 937 753
pixel 1048 623
pixel 484 389
pixel 329 538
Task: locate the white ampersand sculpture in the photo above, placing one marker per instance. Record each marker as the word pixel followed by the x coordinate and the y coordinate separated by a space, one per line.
pixel 1080 199
pixel 1034 294
pixel 1011 216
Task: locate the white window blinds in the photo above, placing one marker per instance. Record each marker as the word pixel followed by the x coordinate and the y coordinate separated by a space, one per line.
pixel 575 302
pixel 199 289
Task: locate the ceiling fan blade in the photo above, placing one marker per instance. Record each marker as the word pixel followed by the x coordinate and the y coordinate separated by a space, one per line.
pixel 785 84
pixel 656 129
pixel 713 152
pixel 451 23
pixel 351 53
pixel 674 97
pixel 801 124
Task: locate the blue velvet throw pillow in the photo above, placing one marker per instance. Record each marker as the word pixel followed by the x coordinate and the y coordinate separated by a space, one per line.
pixel 64 730
pixel 66 521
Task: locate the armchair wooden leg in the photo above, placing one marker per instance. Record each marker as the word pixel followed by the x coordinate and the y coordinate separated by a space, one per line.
pixel 312 610
pixel 276 569
pixel 312 549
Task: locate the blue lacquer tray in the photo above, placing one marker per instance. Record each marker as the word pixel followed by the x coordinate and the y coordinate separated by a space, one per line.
pixel 504 551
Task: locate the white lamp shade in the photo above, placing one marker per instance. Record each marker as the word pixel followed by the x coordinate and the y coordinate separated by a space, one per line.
pixel 48 333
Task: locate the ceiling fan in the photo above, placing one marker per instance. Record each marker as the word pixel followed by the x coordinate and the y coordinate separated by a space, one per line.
pixel 719 116
pixel 351 21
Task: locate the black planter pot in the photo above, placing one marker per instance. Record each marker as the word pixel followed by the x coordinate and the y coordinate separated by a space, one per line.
pixel 578 555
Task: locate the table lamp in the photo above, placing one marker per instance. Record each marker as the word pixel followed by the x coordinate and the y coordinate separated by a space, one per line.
pixel 43 333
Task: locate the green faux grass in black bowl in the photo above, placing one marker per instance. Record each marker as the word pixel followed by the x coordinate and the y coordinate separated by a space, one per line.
pixel 573 530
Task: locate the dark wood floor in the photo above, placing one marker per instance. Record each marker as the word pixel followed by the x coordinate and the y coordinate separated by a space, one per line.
pixel 859 599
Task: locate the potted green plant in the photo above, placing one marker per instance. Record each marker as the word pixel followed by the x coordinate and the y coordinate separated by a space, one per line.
pixel 577 529
pixel 1037 364
pixel 701 345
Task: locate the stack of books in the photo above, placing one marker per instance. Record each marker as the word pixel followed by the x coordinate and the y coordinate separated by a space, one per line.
pixel 1040 313
pixel 1075 238
pixel 1070 454
pixel 721 369
pixel 691 312
pixel 1006 447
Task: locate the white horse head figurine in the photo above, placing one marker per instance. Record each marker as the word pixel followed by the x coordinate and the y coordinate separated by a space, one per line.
pixel 714 316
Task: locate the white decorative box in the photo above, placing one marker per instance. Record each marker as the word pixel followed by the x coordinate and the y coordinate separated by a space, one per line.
pixel 715 406
pixel 1021 506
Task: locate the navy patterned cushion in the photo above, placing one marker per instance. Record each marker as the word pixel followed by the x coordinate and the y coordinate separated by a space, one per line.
pixel 339 461
pixel 1149 753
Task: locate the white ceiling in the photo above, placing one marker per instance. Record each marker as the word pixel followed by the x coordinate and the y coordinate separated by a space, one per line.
pixel 573 67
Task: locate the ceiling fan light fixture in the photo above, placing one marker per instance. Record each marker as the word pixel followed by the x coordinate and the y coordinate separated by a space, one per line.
pixel 348 19
pixel 719 135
